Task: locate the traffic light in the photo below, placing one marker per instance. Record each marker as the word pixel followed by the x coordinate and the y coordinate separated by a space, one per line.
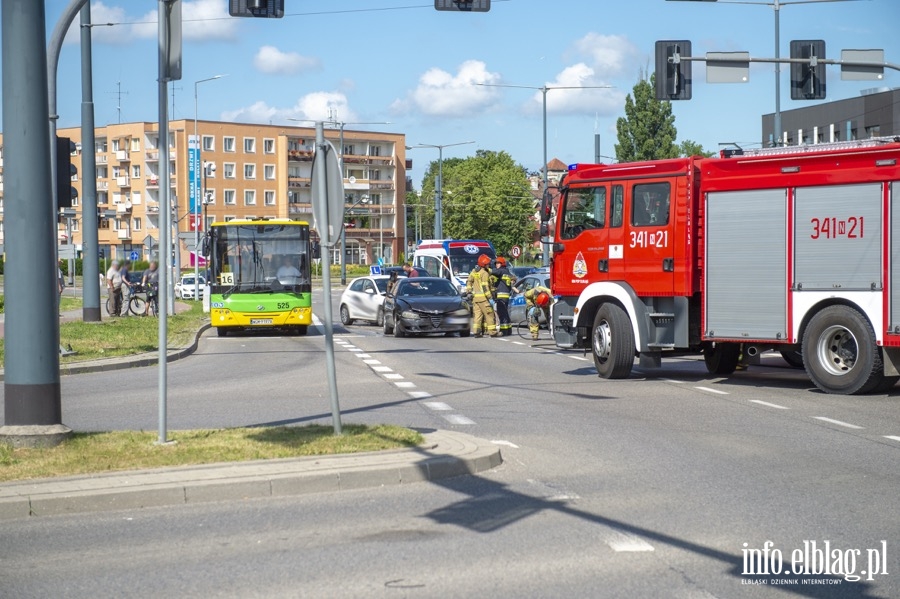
pixel 65 170
pixel 463 5
pixel 808 78
pixel 267 9
pixel 673 75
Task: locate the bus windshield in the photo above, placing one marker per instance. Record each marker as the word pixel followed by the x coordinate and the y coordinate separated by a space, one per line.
pixel 261 257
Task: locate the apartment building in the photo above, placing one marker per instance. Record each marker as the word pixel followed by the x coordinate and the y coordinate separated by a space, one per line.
pixel 261 171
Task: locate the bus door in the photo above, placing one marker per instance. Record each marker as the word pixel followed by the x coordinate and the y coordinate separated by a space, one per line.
pixel 649 256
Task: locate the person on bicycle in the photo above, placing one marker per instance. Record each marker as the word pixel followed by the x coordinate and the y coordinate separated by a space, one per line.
pixel 150 282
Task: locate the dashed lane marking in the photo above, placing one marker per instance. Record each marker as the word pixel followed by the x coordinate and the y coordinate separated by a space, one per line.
pixel 405 384
pixel 670 381
pixel 363 355
pixel 578 358
pixel 437 406
pixel 837 422
pixel 769 405
pixel 504 443
pixel 457 419
pixel 382 369
pixel 892 438
pixel 712 390
pixel 372 361
pixel 623 542
pixel 518 343
pixel 393 376
pixel 419 394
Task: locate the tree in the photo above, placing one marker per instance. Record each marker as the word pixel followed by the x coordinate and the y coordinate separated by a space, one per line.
pixel 691 148
pixel 484 197
pixel 647 131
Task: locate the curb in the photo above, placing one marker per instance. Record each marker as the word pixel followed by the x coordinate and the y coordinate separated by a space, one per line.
pixel 123 362
pixel 445 454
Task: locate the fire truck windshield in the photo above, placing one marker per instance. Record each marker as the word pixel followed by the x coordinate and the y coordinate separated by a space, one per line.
pixel 584 208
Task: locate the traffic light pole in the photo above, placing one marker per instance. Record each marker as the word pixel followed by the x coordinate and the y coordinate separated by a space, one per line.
pixel 90 267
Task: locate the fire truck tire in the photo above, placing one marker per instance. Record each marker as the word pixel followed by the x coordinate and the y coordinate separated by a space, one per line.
pixel 721 358
pixel 793 357
pixel 839 352
pixel 612 342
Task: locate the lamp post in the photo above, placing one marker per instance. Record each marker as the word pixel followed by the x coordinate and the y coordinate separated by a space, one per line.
pixel 545 253
pixel 195 190
pixel 438 189
pixel 776 6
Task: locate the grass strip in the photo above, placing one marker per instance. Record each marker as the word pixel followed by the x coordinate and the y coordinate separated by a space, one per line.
pixel 91 453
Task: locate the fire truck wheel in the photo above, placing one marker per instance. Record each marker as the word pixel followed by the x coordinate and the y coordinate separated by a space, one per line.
pixel 721 358
pixel 840 354
pixel 793 357
pixel 613 342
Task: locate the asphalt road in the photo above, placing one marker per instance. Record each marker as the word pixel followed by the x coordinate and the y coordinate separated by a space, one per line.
pixel 655 486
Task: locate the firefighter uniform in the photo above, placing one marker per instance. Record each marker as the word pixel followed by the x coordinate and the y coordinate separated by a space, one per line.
pixel 503 282
pixel 533 309
pixel 478 286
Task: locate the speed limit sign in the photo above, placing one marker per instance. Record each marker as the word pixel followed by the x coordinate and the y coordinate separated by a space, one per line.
pixel 515 251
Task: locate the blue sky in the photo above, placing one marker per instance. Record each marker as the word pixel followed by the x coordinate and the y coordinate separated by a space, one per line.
pixel 402 61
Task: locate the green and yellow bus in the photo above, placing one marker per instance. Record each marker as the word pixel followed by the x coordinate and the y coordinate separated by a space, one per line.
pixel 259 273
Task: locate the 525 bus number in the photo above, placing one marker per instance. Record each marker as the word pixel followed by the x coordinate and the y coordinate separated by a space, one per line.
pixel 852 227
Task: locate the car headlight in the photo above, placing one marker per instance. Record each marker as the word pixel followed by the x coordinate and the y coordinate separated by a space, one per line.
pixel 409 315
pixel 461 312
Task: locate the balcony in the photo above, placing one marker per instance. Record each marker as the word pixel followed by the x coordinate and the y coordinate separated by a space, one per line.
pixel 152 181
pixel 102 185
pixel 124 233
pixel 123 181
pixel 151 155
pixel 101 159
pixel 299 181
pixel 152 207
pixel 300 209
pixel 382 160
pixel 302 155
pixel 123 207
pixel 123 156
pixel 381 184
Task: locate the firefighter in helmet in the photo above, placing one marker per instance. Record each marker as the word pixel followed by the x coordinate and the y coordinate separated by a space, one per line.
pixel 503 282
pixel 479 288
pixel 537 300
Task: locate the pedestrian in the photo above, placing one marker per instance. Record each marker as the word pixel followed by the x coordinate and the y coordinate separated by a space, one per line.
pixel 479 288
pixel 150 282
pixel 537 300
pixel 114 288
pixel 410 271
pixel 503 283
pixel 392 280
pixel 60 284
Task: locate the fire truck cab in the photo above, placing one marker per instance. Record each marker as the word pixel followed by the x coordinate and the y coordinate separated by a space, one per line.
pixel 786 248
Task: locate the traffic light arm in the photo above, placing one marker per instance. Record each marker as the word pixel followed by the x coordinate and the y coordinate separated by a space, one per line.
pixel 810 61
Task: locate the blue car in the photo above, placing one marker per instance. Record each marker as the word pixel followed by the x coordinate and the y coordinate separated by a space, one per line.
pixel 517 305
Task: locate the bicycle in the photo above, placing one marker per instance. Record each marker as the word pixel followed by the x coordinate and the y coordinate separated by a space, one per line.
pixel 524 330
pixel 136 304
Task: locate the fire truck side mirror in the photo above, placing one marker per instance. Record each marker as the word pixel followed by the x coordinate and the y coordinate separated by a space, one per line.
pixel 545 229
pixel 546 208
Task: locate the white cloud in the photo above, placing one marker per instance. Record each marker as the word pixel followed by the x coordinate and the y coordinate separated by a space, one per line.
pixel 440 93
pixel 315 106
pixel 603 100
pixel 608 55
pixel 201 20
pixel 273 61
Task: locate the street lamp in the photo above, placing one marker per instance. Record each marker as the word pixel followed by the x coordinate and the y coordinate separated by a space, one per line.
pixel 438 189
pixel 545 253
pixel 776 5
pixel 196 192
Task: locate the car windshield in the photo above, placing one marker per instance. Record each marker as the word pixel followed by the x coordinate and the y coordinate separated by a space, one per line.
pixel 426 287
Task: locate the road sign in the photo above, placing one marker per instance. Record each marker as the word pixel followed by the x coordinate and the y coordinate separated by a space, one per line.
pixel 133 255
pixel 515 251
pixel 332 205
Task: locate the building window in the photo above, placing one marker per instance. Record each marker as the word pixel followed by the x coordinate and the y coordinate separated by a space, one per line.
pixel 228 170
pixel 249 145
pixel 249 197
pixel 873 131
pixel 249 171
pixel 209 143
pixel 74 202
pixel 74 224
pixel 136 197
pixel 229 197
pixel 348 149
pixel 101 147
pixel 136 223
pixel 209 197
pixel 294 197
pixel 270 198
pixel 136 171
pixel 228 144
pixel 229 218
pixel 268 146
pixel 102 172
pixel 104 223
pixel 375 199
pixel 135 144
pixel 116 144
pixel 102 198
pixel 269 172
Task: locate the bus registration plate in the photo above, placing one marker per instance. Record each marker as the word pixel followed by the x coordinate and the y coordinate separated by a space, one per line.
pixel 260 321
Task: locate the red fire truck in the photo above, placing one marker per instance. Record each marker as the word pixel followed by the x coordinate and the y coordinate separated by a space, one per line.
pixel 788 249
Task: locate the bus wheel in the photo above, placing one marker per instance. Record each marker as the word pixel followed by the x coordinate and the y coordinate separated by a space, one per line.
pixel 721 358
pixel 299 330
pixel 221 331
pixel 613 342
pixel 840 354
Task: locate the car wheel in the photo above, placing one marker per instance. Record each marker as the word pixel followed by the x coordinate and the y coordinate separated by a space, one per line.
pixel 388 330
pixel 178 293
pixel 379 318
pixel 398 330
pixel 345 315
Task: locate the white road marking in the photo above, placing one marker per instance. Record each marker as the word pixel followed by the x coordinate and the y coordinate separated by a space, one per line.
pixel 770 405
pixel 505 443
pixel 351 348
pixel 579 358
pixel 405 384
pixel 372 361
pixel 382 369
pixel 393 376
pixel 712 390
pixel 518 343
pixel 892 438
pixel 437 406
pixel 838 422
pixel 419 394
pixel 623 542
pixel 670 381
pixel 362 355
pixel 457 419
